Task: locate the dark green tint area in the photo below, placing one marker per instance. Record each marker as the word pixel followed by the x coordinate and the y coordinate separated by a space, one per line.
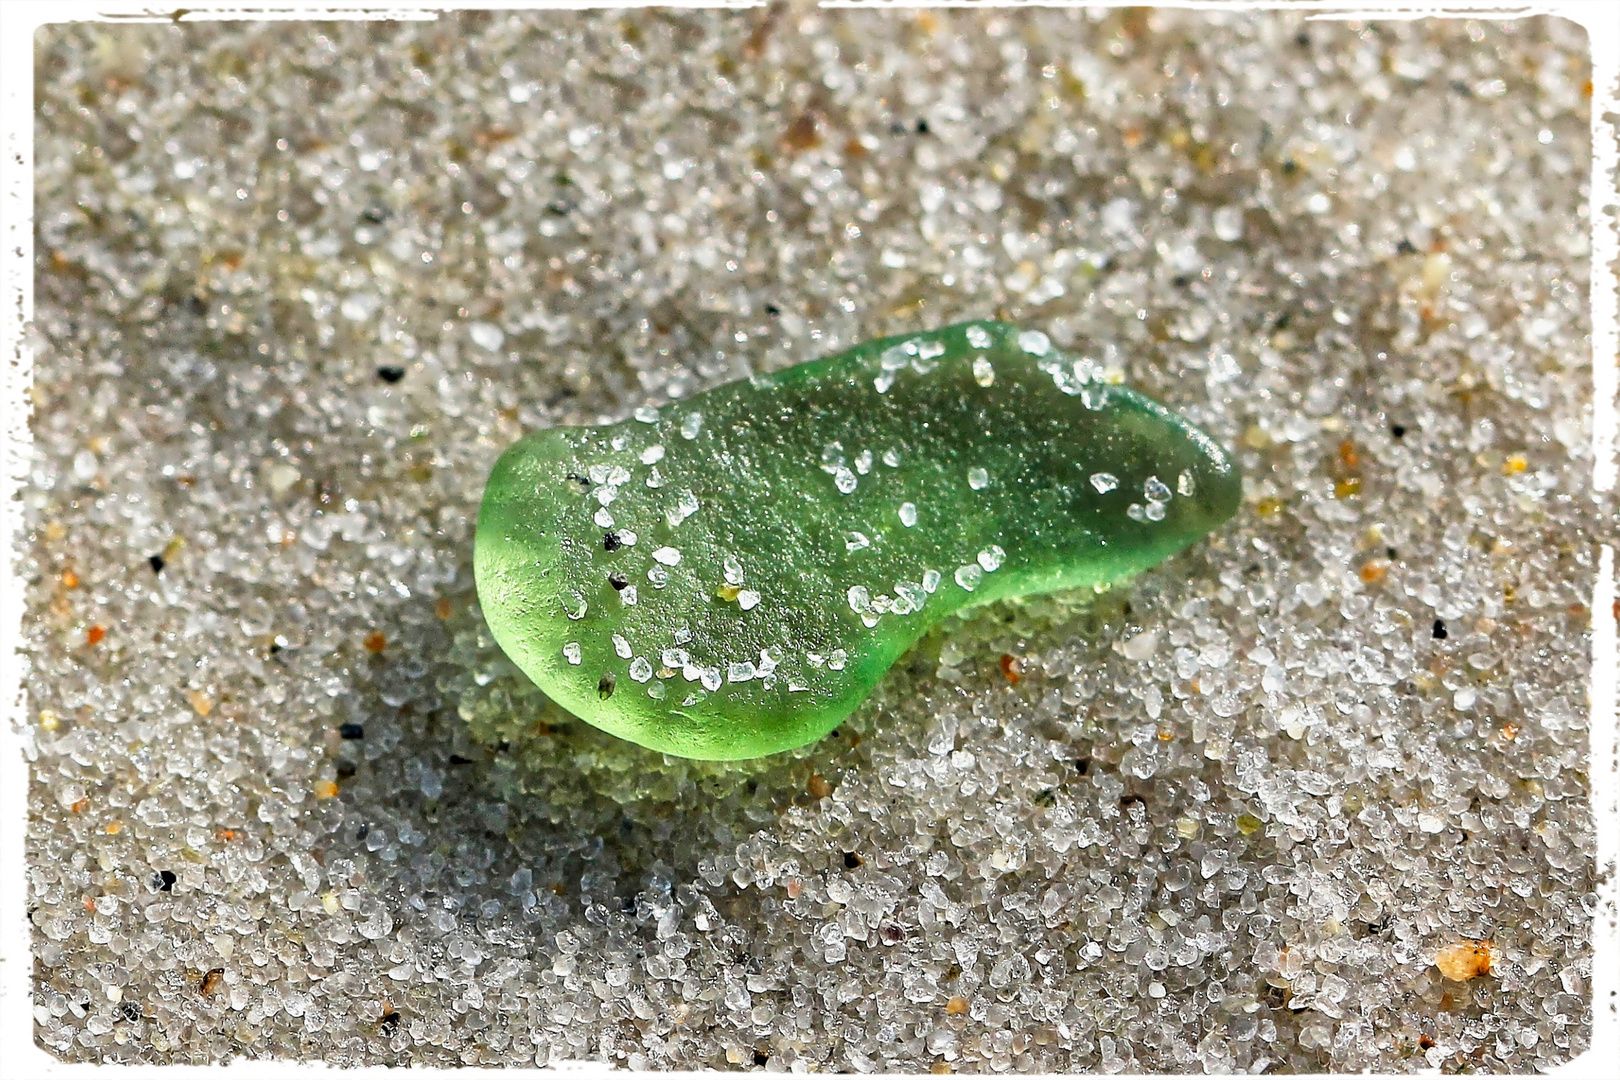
pixel 731 576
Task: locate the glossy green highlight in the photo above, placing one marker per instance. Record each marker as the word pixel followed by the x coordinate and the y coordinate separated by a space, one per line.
pixel 731 576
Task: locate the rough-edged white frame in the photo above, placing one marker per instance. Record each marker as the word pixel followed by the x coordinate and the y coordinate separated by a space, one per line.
pixel 21 1058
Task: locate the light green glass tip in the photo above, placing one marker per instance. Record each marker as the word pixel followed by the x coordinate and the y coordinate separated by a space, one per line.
pixel 731 576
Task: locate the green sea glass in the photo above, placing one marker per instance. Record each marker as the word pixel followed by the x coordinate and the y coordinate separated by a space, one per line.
pixel 731 576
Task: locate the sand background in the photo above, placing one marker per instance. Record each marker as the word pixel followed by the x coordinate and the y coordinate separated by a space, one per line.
pixel 1225 820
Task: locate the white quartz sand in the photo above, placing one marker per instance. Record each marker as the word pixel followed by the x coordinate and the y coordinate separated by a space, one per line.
pixel 299 284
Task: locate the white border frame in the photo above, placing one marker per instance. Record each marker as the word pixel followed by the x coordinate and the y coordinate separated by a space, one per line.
pixel 21 1057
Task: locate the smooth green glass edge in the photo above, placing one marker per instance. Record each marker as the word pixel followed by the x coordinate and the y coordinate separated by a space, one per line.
pixel 867 665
